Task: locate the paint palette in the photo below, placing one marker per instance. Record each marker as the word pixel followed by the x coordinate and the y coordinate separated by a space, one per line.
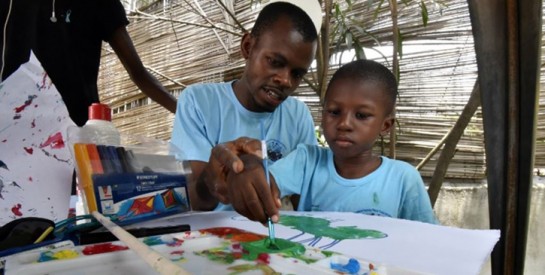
pixel 210 251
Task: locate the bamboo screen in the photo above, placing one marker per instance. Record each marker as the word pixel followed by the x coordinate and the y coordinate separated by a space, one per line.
pixel 437 71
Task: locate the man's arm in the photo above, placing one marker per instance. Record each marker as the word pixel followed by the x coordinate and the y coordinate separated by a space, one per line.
pixel 199 193
pixel 124 48
pixel 207 185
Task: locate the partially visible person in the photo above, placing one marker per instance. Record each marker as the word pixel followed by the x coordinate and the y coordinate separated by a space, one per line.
pixel 66 37
pixel 278 53
pixel 347 176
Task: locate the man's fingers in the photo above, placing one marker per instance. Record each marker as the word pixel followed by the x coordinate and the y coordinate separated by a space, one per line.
pixel 249 146
pixel 226 156
pixel 267 200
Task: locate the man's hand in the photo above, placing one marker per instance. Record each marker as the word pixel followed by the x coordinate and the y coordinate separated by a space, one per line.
pixel 249 192
pixel 224 159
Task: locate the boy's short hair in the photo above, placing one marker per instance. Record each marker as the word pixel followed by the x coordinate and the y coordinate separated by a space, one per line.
pixel 299 18
pixel 368 70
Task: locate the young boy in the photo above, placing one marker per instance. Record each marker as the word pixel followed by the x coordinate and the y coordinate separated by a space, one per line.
pixel 347 176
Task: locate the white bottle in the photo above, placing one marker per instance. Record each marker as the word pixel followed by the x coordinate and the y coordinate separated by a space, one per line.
pixel 99 129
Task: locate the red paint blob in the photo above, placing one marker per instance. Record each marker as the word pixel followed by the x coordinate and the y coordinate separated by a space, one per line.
pixel 29 150
pixel 177 252
pixel 16 210
pixel 102 248
pixel 264 258
pixel 55 141
pixel 30 179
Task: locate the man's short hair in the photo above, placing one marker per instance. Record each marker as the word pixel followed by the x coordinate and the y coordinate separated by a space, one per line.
pixel 274 11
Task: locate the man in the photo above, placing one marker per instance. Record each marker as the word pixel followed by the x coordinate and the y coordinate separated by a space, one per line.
pixel 278 53
pixel 66 37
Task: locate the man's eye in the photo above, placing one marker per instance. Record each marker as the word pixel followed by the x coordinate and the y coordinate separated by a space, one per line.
pixel 273 62
pixel 298 75
pixel 333 112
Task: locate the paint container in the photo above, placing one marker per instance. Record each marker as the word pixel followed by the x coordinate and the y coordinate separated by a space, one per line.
pixel 99 128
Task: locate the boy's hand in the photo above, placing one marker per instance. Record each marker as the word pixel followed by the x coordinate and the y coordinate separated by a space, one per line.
pixel 250 193
pixel 224 159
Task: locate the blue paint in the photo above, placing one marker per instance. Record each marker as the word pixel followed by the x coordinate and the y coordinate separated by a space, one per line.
pixel 352 267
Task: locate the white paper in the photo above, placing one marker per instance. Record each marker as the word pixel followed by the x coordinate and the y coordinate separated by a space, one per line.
pixel 36 166
pixel 411 245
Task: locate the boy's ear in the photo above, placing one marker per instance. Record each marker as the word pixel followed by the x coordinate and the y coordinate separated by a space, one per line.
pixel 387 125
pixel 246 44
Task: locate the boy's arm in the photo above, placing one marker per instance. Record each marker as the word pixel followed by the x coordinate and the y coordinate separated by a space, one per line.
pixel 249 192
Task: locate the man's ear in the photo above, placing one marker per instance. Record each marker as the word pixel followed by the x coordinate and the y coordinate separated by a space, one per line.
pixel 246 44
pixel 387 125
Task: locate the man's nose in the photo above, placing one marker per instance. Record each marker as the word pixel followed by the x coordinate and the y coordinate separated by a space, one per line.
pixel 283 77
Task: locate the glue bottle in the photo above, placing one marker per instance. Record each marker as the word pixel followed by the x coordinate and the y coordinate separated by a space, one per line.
pixel 99 129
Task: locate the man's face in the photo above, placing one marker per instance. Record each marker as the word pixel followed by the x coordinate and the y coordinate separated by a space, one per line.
pixel 276 62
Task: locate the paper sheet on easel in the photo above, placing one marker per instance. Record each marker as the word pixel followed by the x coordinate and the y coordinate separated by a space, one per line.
pixel 35 163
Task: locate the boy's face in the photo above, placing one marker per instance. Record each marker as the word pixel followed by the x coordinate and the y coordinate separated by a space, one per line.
pixel 276 62
pixel 355 114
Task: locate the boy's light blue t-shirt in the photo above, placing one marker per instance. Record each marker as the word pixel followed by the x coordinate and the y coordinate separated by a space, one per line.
pixel 210 114
pixel 395 189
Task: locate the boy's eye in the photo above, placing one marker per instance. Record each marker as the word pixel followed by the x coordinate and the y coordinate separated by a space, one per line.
pixel 333 112
pixel 361 116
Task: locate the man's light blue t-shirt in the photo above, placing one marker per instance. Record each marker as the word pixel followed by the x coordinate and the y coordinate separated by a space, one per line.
pixel 210 114
pixel 395 189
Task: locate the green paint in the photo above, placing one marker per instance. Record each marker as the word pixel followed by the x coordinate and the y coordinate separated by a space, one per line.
pixel 300 257
pixel 320 227
pixel 263 246
pixel 239 269
pixel 218 256
pixel 154 240
pixel 328 253
pixel 376 199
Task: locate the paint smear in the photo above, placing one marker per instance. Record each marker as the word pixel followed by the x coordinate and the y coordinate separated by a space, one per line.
pixel 29 150
pixel 256 248
pixel 59 255
pixel 16 210
pixel 54 141
pixel 321 228
pixel 352 267
pixel 153 240
pixel 102 248
pixel 240 269
pixel 33 123
pixel 234 234
pixel 26 104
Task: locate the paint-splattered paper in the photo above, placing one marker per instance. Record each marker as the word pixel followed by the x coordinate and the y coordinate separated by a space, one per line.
pixel 35 164
pixel 417 246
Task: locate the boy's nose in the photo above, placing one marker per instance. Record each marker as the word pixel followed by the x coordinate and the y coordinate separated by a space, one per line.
pixel 345 122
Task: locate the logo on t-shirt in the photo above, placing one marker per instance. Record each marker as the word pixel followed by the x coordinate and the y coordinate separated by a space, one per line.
pixel 275 149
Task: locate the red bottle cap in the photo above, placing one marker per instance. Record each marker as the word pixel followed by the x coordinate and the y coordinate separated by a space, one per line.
pixel 100 111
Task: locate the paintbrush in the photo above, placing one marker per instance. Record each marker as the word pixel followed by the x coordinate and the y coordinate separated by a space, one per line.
pixel 153 258
pixel 270 224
